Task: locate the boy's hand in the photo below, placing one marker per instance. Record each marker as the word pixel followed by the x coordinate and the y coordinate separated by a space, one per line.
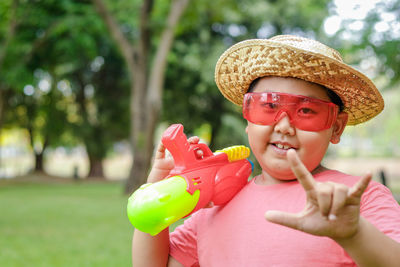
pixel 331 209
pixel 164 163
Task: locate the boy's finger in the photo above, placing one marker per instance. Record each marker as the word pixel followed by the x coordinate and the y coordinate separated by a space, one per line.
pixel 358 189
pixel 338 199
pixel 160 153
pixel 193 139
pixel 300 171
pixel 283 218
pixel 199 153
pixel 209 205
pixel 324 197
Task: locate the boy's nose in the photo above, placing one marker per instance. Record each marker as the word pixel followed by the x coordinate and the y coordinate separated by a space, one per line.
pixel 283 124
pixel 281 115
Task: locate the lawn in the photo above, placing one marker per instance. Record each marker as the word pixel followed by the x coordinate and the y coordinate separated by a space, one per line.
pixel 63 223
pixel 58 222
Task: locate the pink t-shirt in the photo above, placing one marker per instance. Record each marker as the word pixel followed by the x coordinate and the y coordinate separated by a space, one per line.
pixel 238 235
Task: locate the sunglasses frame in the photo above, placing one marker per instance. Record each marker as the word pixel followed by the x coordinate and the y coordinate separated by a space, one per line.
pixel 290 107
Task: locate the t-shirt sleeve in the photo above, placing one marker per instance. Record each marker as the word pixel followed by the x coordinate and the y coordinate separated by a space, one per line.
pixel 183 242
pixel 381 209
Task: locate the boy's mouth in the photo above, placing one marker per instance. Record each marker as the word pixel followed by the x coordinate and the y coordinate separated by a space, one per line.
pixel 284 146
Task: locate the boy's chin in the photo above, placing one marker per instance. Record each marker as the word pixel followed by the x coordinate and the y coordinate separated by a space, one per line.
pixel 282 175
pixel 286 178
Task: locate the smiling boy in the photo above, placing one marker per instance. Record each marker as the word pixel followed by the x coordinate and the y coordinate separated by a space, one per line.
pixel 297 97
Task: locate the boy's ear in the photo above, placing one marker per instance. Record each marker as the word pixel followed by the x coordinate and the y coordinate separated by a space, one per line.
pixel 338 127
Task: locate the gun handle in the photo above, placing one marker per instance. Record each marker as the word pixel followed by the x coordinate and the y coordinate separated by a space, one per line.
pixel 176 142
pixel 182 151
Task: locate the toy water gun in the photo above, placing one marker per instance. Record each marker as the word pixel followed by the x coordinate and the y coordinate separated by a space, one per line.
pixel 192 183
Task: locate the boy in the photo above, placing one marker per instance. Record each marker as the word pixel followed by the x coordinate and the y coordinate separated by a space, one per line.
pixel 297 97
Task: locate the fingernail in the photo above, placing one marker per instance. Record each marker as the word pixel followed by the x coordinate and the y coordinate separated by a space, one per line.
pixel 332 217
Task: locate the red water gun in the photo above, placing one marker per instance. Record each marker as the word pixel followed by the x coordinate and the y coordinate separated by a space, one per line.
pixel 192 183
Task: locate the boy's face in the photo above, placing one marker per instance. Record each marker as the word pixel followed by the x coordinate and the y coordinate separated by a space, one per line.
pixel 269 143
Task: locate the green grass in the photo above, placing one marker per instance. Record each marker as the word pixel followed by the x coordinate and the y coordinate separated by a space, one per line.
pixel 56 222
pixel 64 224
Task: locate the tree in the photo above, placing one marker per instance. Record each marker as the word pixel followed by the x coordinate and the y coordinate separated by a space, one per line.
pixel 100 98
pixel 9 32
pixel 146 79
pixel 86 70
pixel 79 102
pixel 14 54
pixel 8 28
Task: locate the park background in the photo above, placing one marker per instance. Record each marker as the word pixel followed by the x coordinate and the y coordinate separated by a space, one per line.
pixel 87 88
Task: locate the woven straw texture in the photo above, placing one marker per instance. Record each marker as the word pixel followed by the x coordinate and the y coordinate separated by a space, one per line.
pixel 306 59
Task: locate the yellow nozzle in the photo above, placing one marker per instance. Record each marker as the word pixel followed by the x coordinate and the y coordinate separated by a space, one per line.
pixel 236 152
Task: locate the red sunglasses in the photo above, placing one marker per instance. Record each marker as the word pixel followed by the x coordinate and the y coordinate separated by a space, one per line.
pixel 305 113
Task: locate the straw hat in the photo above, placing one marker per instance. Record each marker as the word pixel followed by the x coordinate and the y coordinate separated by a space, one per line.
pixel 306 59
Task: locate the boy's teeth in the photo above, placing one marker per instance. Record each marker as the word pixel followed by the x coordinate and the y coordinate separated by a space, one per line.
pixel 282 146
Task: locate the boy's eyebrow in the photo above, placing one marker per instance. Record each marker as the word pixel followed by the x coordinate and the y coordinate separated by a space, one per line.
pixel 317 98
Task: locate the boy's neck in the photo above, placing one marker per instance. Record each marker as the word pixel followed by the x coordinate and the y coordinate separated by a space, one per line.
pixel 265 179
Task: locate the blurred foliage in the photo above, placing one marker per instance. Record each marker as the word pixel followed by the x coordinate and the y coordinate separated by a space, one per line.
pixel 66 83
pixel 191 96
pixel 76 90
pixel 371 43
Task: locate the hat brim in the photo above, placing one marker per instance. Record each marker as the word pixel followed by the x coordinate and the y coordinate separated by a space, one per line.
pixel 244 62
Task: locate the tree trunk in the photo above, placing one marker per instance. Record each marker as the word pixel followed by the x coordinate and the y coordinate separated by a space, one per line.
pixel 142 140
pixel 147 84
pixel 139 168
pixel 39 163
pixel 96 168
pixel 92 138
pixel 95 155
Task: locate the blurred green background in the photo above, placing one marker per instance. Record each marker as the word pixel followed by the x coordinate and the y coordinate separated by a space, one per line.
pixel 87 87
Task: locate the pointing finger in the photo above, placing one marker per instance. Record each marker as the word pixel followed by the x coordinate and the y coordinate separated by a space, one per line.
pixel 300 171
